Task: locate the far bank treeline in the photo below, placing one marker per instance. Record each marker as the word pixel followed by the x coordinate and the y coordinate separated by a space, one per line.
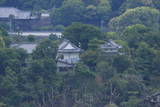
pixel 97 12
pixel 98 80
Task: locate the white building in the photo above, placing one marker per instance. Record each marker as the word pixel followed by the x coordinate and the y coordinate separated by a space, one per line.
pixel 68 55
pixel 6 12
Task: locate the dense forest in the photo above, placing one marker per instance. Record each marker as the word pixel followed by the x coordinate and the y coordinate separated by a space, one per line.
pixel 99 79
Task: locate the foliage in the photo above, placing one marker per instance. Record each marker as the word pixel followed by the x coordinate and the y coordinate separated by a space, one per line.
pixel 32 4
pixel 4 39
pixel 2 43
pixel 122 63
pixel 134 34
pixel 81 11
pixel 46 48
pixel 31 38
pixel 70 11
pixel 141 15
pixel 99 79
pixel 94 44
pixel 156 3
pixel 82 33
pixel 13 58
pixel 136 3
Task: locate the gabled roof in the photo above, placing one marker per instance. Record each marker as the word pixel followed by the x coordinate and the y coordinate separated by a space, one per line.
pixel 110 45
pixel 67 46
pixel 5 12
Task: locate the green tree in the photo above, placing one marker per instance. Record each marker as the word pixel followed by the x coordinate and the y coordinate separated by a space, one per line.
pixel 91 15
pixel 70 11
pixel 134 34
pixel 32 4
pixel 4 39
pixel 2 43
pixel 139 33
pixel 31 38
pixel 156 3
pixel 146 62
pixel 111 35
pixel 105 71
pixel 94 44
pixel 91 2
pixel 42 82
pixel 136 3
pixel 122 63
pixel 104 9
pixel 121 82
pixel 12 58
pixel 8 87
pixel 90 58
pixel 116 4
pixel 141 15
pixel 132 102
pixel 46 48
pixel 82 33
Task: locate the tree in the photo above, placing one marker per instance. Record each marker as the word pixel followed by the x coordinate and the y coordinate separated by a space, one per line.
pixel 31 38
pixel 4 39
pixel 13 58
pixel 111 35
pixel 70 11
pixel 156 3
pixel 122 63
pixel 132 102
pixel 42 82
pixel 145 62
pixel 121 82
pixel 82 33
pixel 127 4
pixel 94 44
pixel 91 15
pixel 87 11
pixel 84 85
pixel 141 15
pixel 32 4
pixel 134 34
pixel 105 71
pixel 104 10
pixel 91 2
pixel 116 4
pixel 8 87
pixel 140 33
pixel 90 58
pixel 2 43
pixel 46 48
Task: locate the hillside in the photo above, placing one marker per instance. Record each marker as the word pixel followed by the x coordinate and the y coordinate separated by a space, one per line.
pixel 107 56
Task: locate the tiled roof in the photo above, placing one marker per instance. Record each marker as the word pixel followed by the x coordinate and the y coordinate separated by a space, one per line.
pixel 67 46
pixel 5 12
pixel 110 45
